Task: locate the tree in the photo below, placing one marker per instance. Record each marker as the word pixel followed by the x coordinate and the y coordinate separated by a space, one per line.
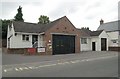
pixel 43 20
pixel 19 15
pixel 5 24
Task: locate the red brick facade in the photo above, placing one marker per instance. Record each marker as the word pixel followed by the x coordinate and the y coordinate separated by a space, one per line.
pixel 63 27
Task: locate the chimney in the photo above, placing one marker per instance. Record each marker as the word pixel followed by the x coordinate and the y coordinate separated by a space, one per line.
pixel 101 22
pixel 87 28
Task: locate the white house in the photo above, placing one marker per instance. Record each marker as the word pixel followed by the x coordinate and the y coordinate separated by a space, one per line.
pixel 113 31
pixel 19 35
pixel 93 40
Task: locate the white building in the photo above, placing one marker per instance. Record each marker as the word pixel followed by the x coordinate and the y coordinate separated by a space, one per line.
pixel 19 35
pixel 93 40
pixel 113 30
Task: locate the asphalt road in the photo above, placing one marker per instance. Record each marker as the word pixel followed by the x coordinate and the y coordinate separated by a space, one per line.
pixel 93 67
pixel 10 59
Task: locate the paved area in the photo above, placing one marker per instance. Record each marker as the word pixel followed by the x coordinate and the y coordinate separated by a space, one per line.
pixel 8 59
pixel 15 62
pixel 93 67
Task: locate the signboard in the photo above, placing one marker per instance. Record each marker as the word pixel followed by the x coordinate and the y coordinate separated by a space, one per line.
pixel 41 49
pixel 31 50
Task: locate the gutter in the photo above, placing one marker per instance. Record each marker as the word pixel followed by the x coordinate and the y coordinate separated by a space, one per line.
pixel 30 33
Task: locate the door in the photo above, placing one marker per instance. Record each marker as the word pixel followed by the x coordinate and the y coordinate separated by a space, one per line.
pixel 103 44
pixel 35 41
pixel 8 42
pixel 63 44
pixel 93 46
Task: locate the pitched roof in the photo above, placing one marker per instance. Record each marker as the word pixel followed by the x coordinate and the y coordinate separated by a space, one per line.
pixel 84 33
pixel 96 33
pixel 88 33
pixel 110 26
pixel 33 27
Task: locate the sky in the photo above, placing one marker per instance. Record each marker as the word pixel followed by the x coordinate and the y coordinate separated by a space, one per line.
pixel 82 13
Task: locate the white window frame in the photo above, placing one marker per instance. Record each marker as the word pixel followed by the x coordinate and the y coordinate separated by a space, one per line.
pixel 25 37
pixel 114 41
pixel 83 40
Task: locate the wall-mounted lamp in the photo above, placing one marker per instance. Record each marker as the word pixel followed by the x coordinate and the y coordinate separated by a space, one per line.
pixel 49 41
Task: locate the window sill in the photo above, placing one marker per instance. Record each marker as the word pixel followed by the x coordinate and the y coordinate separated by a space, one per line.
pixel 85 43
pixel 25 41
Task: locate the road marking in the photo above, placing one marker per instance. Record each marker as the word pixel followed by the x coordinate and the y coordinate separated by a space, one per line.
pixel 76 61
pixel 40 66
pixel 30 67
pixel 21 69
pixel 82 60
pixel 67 62
pixel 87 60
pixel 5 70
pixel 59 63
pixel 26 68
pixel 16 69
pixel 49 65
pixel 72 61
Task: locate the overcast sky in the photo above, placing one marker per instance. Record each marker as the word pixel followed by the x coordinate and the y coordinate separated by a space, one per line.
pixel 82 13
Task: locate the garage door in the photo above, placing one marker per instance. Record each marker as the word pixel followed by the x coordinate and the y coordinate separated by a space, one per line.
pixel 63 44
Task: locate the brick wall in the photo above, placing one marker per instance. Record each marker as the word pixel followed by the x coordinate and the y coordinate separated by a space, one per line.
pixel 114 48
pixel 17 51
pixel 64 26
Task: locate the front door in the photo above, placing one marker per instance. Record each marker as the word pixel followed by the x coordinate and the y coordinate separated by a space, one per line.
pixel 63 44
pixel 93 46
pixel 103 44
pixel 34 41
pixel 8 42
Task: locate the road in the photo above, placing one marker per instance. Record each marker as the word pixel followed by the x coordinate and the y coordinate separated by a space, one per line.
pixel 8 59
pixel 106 66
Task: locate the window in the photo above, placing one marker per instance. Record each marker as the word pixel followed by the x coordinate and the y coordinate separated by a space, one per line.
pixel 25 37
pixel 114 41
pixel 83 40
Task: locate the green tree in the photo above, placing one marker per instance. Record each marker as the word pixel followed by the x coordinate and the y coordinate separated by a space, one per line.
pixel 43 20
pixel 19 15
pixel 5 24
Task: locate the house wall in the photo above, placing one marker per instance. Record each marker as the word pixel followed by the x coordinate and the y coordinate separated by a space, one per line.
pixel 9 33
pixel 104 35
pixel 113 36
pixel 17 42
pixel 97 42
pixel 86 47
pixel 41 42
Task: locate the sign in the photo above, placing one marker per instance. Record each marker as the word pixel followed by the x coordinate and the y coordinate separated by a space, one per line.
pixel 41 49
pixel 32 50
